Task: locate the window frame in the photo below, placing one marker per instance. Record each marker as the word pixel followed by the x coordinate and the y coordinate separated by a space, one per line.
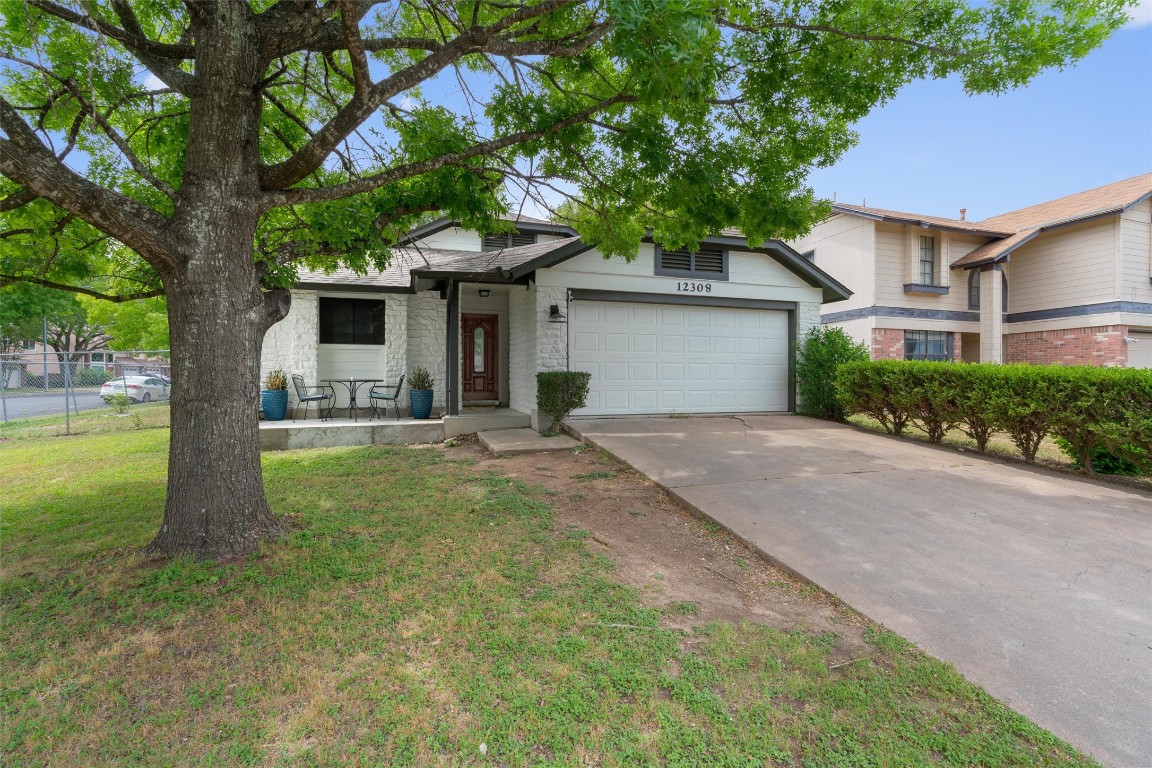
pixel 948 337
pixel 357 303
pixel 691 273
pixel 932 262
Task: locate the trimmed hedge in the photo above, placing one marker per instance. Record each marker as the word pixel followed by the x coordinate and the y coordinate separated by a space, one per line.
pixel 558 393
pixel 1090 409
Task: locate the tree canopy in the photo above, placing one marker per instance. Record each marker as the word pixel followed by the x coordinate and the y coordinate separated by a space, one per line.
pixel 206 149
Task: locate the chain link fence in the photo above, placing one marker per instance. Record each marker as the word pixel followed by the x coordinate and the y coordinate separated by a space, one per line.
pixel 43 382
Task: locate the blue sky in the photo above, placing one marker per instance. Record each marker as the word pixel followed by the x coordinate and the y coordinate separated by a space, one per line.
pixel 934 149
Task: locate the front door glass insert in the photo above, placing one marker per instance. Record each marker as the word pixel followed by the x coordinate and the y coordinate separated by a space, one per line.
pixel 478 350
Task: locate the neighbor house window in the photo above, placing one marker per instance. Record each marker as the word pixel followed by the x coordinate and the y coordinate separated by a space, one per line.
pixel 974 289
pixel 351 321
pixel 506 240
pixel 927 260
pixel 927 345
pixel 1003 291
pixel 708 264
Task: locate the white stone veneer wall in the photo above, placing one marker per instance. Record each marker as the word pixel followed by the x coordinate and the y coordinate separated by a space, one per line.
pixel 551 343
pixel 522 349
pixel 291 343
pixel 395 336
pixel 807 318
pixel 427 329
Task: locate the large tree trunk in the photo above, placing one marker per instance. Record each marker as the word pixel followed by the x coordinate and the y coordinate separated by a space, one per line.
pixel 216 508
pixel 217 313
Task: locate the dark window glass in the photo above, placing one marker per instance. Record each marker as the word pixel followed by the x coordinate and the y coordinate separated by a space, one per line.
pixel 974 289
pixel 710 264
pixel 927 260
pixel 507 240
pixel 351 321
pixel 1004 296
pixel 927 345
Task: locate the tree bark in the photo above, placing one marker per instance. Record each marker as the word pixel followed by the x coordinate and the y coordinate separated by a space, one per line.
pixel 216 508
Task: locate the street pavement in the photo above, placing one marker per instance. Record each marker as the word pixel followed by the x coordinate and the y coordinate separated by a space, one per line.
pixel 1035 585
pixel 23 406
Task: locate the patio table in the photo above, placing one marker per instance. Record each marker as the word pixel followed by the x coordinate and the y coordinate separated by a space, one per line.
pixel 353 385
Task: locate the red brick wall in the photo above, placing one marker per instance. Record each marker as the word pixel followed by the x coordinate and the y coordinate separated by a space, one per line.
pixel 1099 345
pixel 888 344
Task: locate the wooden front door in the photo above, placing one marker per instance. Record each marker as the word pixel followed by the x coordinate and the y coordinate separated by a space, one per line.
pixel 481 356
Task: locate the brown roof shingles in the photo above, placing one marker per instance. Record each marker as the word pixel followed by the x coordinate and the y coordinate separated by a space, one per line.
pixel 1015 228
pixel 405 261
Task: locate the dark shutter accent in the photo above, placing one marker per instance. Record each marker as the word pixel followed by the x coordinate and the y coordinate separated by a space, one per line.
pixel 519 238
pixel 676 260
pixel 710 261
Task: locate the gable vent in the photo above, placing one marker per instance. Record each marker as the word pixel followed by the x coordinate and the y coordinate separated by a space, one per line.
pixel 676 260
pixel 710 261
pixel 507 240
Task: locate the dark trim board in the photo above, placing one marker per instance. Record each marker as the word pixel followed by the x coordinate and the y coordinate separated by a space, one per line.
pixel 904 312
pixel 636 297
pixel 346 288
pixel 938 290
pixel 452 367
pixel 1133 307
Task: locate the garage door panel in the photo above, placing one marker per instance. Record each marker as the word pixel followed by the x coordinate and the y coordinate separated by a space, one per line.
pixel 649 358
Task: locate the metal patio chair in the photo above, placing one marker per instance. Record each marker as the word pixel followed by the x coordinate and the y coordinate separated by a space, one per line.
pixel 385 395
pixel 319 395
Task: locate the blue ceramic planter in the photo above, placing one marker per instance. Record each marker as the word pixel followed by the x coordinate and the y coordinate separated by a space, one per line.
pixel 274 403
pixel 421 400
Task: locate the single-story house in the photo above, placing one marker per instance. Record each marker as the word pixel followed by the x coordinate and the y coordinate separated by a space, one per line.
pixel 668 332
pixel 1068 281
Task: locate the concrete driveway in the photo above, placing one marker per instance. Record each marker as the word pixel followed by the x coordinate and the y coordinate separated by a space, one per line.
pixel 1036 586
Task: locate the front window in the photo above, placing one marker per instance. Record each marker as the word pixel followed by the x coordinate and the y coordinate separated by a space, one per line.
pixel 1004 291
pixel 927 345
pixel 927 260
pixel 351 321
pixel 974 289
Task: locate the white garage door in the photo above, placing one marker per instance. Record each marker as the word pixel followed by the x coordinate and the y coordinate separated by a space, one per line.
pixel 1140 350
pixel 653 358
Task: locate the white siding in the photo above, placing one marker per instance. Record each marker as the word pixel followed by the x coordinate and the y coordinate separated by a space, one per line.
pixel 1065 267
pixel 452 239
pixel 1136 253
pixel 897 263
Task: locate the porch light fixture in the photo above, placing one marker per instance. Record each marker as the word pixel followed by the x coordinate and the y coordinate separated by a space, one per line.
pixel 554 315
pixel 484 293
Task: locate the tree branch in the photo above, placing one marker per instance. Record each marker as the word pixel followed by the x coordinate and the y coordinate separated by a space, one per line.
pixel 399 173
pixel 27 161
pixel 20 197
pixel 312 155
pixel 6 280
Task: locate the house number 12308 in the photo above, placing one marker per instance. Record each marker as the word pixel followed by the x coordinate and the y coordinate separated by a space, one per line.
pixel 694 287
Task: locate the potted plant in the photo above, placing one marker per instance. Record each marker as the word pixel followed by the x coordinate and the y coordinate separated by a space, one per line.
pixel 274 396
pixel 420 385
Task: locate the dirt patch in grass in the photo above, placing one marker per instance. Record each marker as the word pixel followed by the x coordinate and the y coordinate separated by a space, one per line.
pixel 695 571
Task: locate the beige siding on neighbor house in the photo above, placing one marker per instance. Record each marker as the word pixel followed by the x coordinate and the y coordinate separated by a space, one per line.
pixel 1136 253
pixel 1065 267
pixel 897 260
pixel 843 246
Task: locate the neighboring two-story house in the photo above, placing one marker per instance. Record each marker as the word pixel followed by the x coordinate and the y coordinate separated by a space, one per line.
pixel 668 332
pixel 1068 281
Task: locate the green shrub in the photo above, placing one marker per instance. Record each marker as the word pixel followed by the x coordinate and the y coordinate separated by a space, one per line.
pixel 874 389
pixel 558 393
pixel 817 358
pixel 1089 409
pixel 91 377
pixel 118 402
pixel 1101 460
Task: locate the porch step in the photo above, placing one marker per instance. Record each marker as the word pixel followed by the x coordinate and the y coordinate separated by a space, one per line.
pixel 484 421
pixel 524 441
pixel 287 435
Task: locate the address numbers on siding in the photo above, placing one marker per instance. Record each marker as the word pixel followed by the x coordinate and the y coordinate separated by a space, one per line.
pixel 682 287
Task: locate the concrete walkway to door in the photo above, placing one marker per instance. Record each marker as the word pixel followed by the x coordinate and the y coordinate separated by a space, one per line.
pixel 1036 586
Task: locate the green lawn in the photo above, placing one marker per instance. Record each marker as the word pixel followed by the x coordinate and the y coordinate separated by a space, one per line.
pixel 419 613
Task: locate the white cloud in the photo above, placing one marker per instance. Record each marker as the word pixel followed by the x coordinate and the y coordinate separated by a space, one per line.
pixel 1141 14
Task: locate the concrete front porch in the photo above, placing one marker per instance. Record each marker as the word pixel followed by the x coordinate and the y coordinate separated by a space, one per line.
pixel 313 433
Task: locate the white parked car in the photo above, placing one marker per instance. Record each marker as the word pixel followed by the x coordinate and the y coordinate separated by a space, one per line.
pixel 139 389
